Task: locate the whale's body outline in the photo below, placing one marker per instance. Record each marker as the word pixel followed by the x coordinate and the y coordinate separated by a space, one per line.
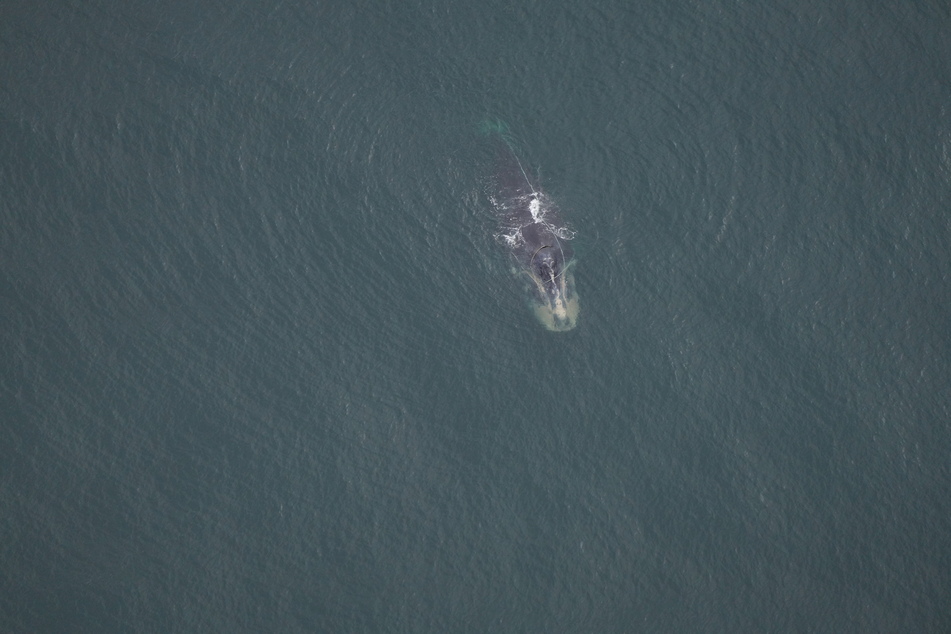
pixel 532 229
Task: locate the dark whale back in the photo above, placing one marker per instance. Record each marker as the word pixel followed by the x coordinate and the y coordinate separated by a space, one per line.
pixel 522 206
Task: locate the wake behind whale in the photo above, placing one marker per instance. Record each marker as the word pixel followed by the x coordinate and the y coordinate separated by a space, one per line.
pixel 532 230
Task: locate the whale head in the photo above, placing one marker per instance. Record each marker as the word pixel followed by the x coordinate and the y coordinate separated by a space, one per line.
pixel 556 304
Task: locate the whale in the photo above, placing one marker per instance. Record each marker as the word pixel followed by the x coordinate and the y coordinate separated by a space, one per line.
pixel 531 229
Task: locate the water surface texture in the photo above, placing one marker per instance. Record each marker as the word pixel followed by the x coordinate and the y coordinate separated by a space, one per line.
pixel 265 368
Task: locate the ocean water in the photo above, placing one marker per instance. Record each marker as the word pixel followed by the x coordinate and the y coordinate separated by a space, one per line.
pixel 266 369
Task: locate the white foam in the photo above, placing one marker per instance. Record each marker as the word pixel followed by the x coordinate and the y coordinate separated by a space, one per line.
pixel 512 240
pixel 536 208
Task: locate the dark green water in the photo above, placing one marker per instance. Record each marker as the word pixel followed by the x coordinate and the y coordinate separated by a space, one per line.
pixel 265 368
